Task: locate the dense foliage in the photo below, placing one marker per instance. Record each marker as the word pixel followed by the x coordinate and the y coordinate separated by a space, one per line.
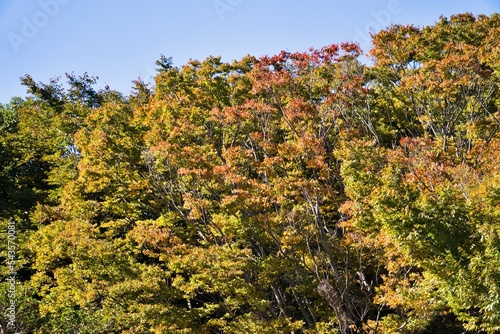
pixel 296 193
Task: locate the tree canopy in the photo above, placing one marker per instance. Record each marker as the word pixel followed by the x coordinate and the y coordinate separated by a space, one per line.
pixel 303 192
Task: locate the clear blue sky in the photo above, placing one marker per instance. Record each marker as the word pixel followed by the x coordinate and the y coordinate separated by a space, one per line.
pixel 120 40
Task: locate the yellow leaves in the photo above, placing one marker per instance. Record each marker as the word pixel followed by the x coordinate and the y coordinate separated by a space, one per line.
pixel 436 214
pixel 416 298
pixel 301 156
pixel 217 270
pixel 217 204
pixel 196 206
pixel 231 226
pixel 290 240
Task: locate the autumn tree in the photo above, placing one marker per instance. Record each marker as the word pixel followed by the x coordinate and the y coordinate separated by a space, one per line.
pixel 303 192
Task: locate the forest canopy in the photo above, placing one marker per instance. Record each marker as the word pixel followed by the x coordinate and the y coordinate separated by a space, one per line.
pixel 304 192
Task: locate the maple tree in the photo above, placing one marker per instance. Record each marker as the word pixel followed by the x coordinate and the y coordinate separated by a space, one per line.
pixel 303 192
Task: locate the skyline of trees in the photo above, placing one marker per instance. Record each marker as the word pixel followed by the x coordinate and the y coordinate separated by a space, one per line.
pixel 303 192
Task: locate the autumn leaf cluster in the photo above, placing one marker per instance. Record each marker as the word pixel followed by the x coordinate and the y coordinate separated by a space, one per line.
pixel 304 192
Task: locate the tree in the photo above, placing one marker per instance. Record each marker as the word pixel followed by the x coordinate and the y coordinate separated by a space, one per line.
pixel 302 192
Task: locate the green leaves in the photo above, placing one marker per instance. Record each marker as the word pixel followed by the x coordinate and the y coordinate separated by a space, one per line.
pixel 300 192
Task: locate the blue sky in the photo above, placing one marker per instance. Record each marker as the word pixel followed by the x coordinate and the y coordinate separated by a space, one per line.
pixel 119 41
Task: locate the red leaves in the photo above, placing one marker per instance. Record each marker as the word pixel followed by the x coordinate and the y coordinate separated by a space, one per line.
pixel 302 60
pixel 298 110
